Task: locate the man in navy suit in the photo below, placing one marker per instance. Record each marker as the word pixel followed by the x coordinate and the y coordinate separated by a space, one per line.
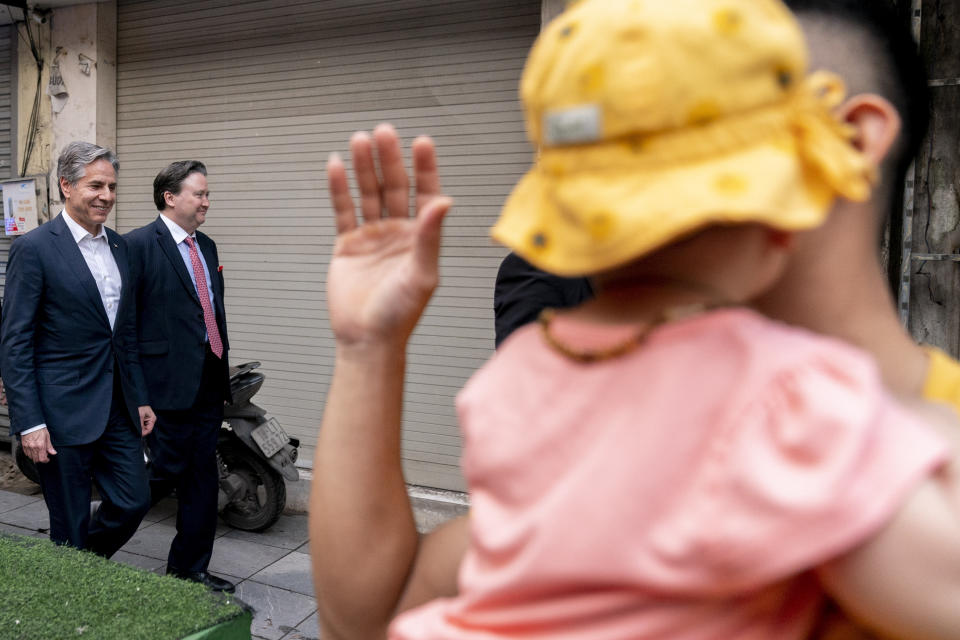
pixel 77 397
pixel 182 336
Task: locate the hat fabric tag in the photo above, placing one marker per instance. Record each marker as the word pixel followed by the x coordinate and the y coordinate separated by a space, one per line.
pixel 575 125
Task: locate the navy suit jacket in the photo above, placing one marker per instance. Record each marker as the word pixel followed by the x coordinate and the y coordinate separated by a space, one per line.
pixel 522 291
pixel 58 351
pixel 170 328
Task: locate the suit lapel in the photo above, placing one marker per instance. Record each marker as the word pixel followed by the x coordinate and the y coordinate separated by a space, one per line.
pixel 170 249
pixel 73 260
pixel 119 251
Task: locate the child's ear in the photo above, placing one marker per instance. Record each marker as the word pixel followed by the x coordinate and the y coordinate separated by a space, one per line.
pixel 876 121
pixel 780 239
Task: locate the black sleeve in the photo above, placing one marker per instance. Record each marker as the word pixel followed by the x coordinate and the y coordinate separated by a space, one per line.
pixel 522 291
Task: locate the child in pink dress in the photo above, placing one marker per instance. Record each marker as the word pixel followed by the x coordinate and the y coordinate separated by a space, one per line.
pixel 661 462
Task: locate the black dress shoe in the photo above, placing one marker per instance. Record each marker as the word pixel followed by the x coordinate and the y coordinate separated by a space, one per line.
pixel 206 579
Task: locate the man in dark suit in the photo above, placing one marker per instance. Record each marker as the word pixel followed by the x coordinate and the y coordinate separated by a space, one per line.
pixel 182 335
pixel 522 291
pixel 75 388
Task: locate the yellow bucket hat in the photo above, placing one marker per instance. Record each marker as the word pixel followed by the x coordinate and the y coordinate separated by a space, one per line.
pixel 654 118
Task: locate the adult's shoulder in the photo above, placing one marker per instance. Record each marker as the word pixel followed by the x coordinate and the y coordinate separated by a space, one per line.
pixel 35 237
pixel 114 236
pixel 52 226
pixel 142 233
pixel 513 267
pixel 202 237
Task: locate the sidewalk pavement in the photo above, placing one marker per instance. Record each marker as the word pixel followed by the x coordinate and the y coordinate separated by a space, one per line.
pixel 271 569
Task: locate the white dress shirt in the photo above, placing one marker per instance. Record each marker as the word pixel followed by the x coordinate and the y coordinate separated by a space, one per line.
pixel 103 267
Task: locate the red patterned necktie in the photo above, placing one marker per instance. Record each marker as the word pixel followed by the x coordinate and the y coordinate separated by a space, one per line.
pixel 209 318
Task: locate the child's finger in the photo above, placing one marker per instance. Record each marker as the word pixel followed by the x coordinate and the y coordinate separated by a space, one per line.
pixel 429 222
pixel 343 211
pixel 364 169
pixel 425 171
pixel 396 184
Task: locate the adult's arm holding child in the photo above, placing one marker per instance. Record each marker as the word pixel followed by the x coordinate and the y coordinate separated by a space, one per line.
pixel 904 583
pixel 365 549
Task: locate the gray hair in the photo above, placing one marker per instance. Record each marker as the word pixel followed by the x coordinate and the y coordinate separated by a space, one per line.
pixel 73 161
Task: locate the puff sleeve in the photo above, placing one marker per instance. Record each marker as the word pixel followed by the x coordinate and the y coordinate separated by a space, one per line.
pixel 813 464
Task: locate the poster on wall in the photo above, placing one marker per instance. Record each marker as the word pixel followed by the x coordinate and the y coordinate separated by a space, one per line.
pixel 19 207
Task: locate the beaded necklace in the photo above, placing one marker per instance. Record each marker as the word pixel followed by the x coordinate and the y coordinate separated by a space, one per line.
pixel 670 314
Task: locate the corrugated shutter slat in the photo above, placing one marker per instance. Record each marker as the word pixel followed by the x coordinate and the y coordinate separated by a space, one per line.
pixel 262 92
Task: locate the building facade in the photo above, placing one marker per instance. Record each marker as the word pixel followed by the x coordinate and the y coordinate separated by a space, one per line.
pixel 263 90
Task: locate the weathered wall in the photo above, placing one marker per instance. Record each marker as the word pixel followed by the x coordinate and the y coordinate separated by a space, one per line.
pixel 84 48
pixel 26 88
pixel 79 41
pixel 935 284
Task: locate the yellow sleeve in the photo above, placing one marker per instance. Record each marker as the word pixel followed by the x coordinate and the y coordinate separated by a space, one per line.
pixel 943 378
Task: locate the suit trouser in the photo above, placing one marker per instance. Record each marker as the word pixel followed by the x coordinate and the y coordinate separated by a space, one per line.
pixel 183 453
pixel 114 462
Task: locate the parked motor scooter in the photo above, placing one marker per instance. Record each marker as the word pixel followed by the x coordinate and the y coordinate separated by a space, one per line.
pixel 254 455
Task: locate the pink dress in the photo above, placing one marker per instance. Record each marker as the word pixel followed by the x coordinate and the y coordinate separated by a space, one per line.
pixel 682 491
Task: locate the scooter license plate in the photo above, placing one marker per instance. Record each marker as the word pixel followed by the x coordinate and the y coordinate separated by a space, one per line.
pixel 270 437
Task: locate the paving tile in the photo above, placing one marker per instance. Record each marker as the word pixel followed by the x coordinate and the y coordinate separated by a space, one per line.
pixel 309 629
pixel 162 510
pixel 171 521
pixel 10 501
pixel 304 548
pixel 20 531
pixel 154 565
pixel 289 532
pixel 242 558
pixel 289 572
pixel 152 540
pixel 277 612
pixel 32 516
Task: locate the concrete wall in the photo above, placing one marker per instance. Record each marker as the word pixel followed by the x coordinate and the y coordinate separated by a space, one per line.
pixel 26 80
pixel 80 41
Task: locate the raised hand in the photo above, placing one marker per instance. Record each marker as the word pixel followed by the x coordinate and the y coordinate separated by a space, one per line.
pixel 384 266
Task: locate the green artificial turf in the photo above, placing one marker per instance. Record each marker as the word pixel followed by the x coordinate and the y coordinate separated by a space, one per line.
pixel 48 592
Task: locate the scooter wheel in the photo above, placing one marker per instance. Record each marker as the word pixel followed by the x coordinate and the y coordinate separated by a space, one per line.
pixel 264 495
pixel 27 466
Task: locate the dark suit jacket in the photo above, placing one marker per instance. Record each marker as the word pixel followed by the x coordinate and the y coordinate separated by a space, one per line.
pixel 58 350
pixel 170 329
pixel 523 291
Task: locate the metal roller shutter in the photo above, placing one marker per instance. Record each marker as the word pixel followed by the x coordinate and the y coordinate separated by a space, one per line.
pixel 262 92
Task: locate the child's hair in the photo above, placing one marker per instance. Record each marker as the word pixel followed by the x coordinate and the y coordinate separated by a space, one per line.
pixel 898 68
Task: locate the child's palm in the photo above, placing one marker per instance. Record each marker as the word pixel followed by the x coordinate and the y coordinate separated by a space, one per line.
pixel 384 270
pixel 377 288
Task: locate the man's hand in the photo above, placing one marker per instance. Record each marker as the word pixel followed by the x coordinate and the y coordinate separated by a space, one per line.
pixel 37 445
pixel 384 270
pixel 3 395
pixel 147 419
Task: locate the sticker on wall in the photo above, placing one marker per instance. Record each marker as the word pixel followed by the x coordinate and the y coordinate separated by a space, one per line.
pixel 19 207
